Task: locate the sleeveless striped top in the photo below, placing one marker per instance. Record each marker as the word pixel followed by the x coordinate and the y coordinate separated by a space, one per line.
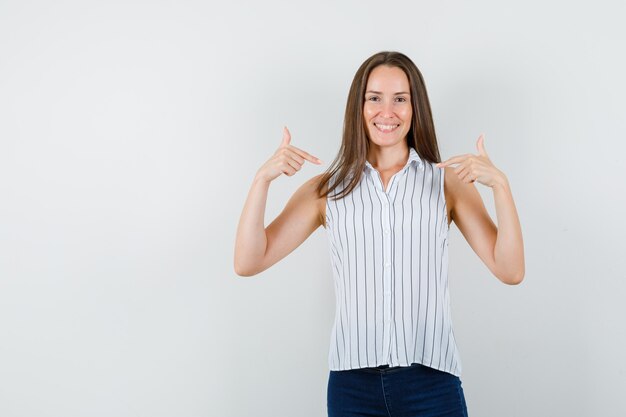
pixel 389 259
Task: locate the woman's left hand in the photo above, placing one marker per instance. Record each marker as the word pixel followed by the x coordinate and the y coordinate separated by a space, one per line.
pixel 475 167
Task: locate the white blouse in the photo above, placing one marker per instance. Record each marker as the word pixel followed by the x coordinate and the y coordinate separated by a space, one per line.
pixel 389 257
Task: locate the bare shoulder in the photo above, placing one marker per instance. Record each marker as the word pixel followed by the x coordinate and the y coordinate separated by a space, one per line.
pixel 457 192
pixel 308 196
pixel 320 202
pixel 450 186
pixel 466 207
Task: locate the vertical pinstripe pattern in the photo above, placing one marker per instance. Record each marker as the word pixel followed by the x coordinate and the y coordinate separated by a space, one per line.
pixel 389 257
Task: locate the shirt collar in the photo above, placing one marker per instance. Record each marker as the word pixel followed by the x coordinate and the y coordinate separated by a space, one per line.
pixel 413 157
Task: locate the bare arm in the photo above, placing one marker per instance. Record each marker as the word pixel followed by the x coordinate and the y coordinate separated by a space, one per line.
pixel 501 248
pixel 509 248
pixel 251 241
pixel 258 248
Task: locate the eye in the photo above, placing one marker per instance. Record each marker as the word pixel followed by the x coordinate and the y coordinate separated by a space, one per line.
pixel 402 99
pixel 372 98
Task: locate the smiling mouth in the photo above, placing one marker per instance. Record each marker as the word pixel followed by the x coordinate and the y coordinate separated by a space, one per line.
pixel 386 128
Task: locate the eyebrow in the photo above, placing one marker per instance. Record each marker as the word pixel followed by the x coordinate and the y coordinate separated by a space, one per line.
pixel 378 92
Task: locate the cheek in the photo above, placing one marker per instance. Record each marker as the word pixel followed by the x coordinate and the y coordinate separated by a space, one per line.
pixel 367 112
pixel 406 115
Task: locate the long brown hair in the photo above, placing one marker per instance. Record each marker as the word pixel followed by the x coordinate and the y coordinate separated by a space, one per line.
pixel 350 159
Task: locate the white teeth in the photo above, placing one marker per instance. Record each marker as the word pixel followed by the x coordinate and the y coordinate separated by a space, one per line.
pixel 386 127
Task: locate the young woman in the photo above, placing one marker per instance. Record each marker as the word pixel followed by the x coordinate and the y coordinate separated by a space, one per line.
pixel 387 203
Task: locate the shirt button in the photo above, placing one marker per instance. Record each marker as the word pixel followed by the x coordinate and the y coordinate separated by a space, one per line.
pixel 386 232
pixel 388 264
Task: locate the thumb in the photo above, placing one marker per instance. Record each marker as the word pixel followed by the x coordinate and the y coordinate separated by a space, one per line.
pixel 286 136
pixel 480 145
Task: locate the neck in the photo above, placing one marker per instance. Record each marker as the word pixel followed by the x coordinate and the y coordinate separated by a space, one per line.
pixel 388 158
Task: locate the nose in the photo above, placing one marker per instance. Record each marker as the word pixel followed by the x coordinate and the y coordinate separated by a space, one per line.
pixel 387 109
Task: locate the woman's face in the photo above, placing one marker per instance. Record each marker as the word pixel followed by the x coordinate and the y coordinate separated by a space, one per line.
pixel 387 110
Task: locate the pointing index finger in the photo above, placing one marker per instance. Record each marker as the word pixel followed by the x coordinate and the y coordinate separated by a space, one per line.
pixel 306 155
pixel 453 160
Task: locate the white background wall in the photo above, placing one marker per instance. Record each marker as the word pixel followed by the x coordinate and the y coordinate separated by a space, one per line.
pixel 129 135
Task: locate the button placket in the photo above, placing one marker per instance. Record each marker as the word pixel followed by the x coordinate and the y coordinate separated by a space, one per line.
pixel 385 198
pixel 387 270
pixel 389 295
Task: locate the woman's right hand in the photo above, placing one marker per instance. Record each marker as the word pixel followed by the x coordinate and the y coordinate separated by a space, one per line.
pixel 286 160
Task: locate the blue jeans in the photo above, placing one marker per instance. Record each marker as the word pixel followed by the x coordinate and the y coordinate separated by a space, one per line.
pixel 400 391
